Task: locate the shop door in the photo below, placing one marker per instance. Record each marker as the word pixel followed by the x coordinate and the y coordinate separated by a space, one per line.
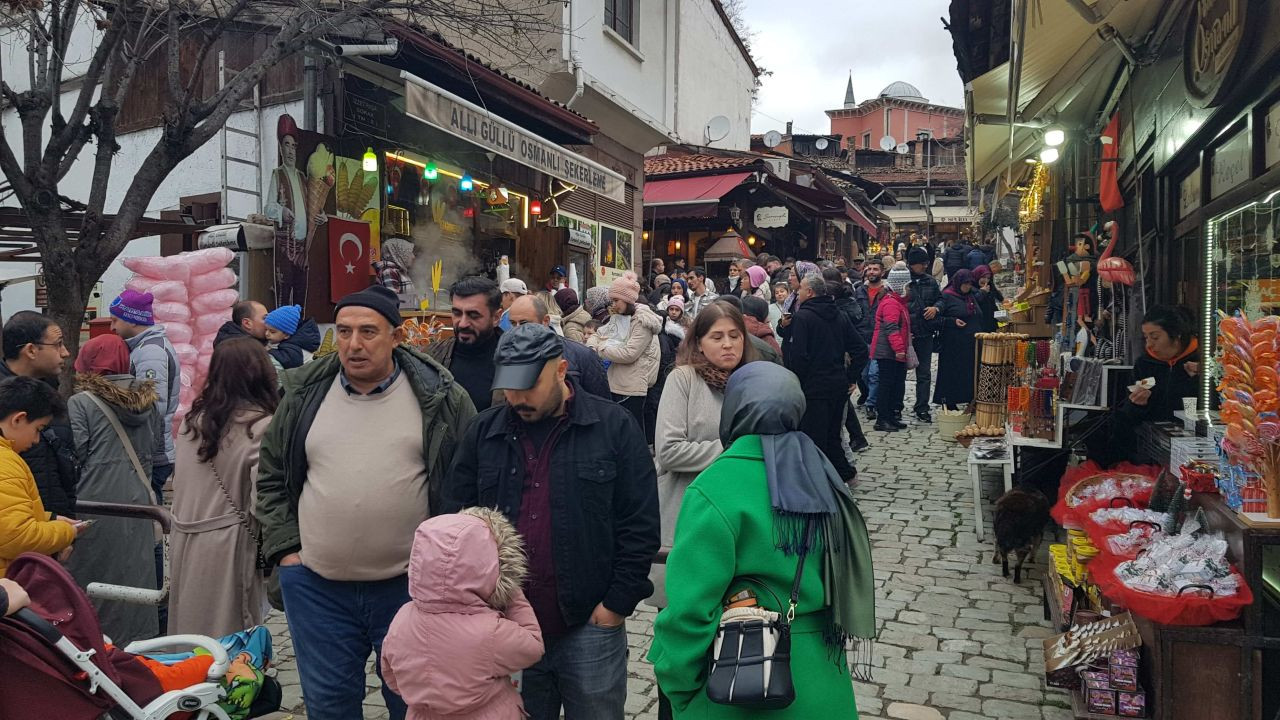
pixel 539 249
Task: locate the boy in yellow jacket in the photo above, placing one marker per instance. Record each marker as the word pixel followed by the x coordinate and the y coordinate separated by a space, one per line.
pixel 26 407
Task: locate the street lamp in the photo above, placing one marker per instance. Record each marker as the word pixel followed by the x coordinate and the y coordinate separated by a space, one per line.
pixel 1055 137
pixel 1049 155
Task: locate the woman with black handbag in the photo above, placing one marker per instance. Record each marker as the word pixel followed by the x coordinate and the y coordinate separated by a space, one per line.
pixel 758 532
pixel 217 585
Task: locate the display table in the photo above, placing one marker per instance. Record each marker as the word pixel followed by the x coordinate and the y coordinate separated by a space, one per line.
pixel 976 463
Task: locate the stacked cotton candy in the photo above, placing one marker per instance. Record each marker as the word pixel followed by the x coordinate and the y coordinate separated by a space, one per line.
pixel 193 297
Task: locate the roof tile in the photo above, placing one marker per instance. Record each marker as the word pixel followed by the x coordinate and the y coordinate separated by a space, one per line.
pixel 670 164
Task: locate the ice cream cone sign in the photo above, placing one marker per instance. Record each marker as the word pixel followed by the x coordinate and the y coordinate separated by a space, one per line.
pixel 320 181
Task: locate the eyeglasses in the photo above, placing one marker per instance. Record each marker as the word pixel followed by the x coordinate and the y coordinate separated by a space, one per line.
pixel 60 344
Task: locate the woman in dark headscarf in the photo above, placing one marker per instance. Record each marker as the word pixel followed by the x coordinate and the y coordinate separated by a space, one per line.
pixel 961 320
pixel 988 296
pixel 771 494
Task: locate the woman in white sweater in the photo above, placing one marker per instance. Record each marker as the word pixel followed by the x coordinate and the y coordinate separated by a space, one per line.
pixel 688 431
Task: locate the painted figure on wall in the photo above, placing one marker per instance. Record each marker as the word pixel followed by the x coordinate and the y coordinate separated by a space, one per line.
pixel 295 202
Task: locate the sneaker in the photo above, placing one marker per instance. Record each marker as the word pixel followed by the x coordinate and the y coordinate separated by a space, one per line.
pixel 860 446
pixel 883 426
pixel 897 422
pixel 871 413
pixel 924 416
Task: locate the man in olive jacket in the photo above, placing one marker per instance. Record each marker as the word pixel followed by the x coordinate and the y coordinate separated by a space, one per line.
pixel 350 463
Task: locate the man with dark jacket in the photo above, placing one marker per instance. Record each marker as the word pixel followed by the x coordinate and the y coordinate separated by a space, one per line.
pixel 573 473
pixel 842 292
pixel 34 348
pixel 477 310
pixel 956 257
pixel 868 295
pixel 351 464
pixel 924 295
pixel 828 355
pixel 248 319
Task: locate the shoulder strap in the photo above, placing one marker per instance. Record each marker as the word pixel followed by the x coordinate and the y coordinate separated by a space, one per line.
pixel 124 440
pixel 795 584
pixel 173 365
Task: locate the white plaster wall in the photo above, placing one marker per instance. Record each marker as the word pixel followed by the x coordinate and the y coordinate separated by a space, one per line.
pixel 713 78
pixel 635 71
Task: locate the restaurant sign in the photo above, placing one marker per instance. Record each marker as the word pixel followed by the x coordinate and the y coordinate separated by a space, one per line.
pixel 442 109
pixel 1211 51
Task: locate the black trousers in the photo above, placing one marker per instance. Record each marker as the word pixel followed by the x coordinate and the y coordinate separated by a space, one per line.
pixel 924 351
pixel 633 404
pixel 821 422
pixel 893 388
pixel 856 436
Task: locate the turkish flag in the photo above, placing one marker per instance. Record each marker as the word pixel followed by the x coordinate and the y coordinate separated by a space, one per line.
pixel 1108 189
pixel 349 258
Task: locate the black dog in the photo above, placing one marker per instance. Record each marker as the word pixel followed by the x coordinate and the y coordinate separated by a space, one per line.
pixel 1020 518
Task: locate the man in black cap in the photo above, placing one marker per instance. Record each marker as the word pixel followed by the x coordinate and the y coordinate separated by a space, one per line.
pixel 584 365
pixel 351 463
pixel 573 473
pixel 925 294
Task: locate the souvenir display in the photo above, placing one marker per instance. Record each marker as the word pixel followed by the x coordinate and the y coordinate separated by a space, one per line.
pixel 1250 389
pixel 1087 646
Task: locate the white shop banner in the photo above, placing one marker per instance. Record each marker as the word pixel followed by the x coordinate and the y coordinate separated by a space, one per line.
pixel 442 109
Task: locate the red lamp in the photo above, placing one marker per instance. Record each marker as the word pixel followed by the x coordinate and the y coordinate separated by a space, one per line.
pixel 535 207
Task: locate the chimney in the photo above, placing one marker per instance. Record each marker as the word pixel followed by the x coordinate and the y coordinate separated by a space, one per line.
pixel 920 152
pixel 788 127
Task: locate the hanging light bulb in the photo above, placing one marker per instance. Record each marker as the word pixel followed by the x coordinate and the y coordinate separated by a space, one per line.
pixel 751 239
pixel 466 184
pixel 677 244
pixel 469 212
pixel 1055 137
pixel 1049 155
pixel 370 163
pixel 535 207
pixel 430 172
pixel 644 235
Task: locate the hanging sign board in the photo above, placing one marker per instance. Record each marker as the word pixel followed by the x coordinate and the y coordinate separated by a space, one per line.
pixel 581 239
pixel 1230 164
pixel 1189 194
pixel 1211 50
pixel 440 108
pixel 771 217
pixel 1271 135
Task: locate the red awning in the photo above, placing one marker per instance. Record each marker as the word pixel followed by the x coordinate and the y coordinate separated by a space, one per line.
pixel 691 190
pixel 855 214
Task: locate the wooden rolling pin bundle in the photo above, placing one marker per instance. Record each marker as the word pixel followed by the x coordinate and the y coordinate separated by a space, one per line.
pixel 996 357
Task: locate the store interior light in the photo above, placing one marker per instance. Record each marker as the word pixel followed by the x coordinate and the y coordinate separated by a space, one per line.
pixel 644 235
pixel 370 163
pixel 1054 137
pixel 1049 155
pixel 1032 161
pixel 677 244
pixel 751 239
pixel 466 184
pixel 535 207
pixel 469 212
pixel 430 171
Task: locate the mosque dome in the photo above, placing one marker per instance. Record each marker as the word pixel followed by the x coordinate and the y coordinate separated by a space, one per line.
pixel 903 91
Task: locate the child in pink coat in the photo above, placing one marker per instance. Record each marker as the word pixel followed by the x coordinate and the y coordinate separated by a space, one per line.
pixel 452 648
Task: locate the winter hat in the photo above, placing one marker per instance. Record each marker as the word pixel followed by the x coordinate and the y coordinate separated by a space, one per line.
pixel 982 271
pixel 899 278
pixel 514 285
pixel 567 299
pixel 133 307
pixel 104 355
pixel 595 299
pixel 917 256
pixel 284 318
pixel 625 288
pixel 661 279
pixel 381 300
pixel 676 302
pixel 758 276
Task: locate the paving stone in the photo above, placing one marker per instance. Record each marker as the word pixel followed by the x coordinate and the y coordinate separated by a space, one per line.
pixel 1006 710
pixel 1014 679
pixel 945 684
pixel 956 702
pixel 906 711
pixel 967 671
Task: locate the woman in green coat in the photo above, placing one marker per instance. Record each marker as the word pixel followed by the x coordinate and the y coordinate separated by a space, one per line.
pixel 746 515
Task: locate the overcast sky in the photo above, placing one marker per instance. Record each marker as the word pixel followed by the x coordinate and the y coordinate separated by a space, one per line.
pixel 811 45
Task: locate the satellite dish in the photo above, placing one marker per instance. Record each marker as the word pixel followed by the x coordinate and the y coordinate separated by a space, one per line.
pixel 887 143
pixel 772 139
pixel 903 149
pixel 820 143
pixel 717 128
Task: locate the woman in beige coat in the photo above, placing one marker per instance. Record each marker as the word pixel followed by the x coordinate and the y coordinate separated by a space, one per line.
pixel 216 586
pixel 630 343
pixel 573 318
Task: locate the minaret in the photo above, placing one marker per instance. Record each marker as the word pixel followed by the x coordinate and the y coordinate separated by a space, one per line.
pixel 849 102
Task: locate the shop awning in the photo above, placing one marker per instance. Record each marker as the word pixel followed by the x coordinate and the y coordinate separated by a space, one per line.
pixel 691 190
pixel 1066 74
pixel 898 215
pixel 964 215
pixel 854 213
pixel 728 247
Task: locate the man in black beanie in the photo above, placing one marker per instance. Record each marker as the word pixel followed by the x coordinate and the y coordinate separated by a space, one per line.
pixel 352 462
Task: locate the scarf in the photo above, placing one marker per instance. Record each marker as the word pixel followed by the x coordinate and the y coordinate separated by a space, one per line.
pixel 714 377
pixel 803 489
pixel 103 355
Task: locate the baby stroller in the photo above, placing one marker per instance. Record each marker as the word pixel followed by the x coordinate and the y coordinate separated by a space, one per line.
pixel 54 662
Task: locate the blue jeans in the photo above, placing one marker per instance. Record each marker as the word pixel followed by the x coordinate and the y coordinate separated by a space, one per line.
pixel 334 625
pixel 871 375
pixel 159 476
pixel 586 671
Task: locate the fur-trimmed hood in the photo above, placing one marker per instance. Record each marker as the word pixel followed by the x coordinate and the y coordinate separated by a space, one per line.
pixel 131 398
pixel 466 563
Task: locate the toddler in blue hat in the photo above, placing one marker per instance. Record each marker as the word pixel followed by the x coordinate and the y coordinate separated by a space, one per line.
pixel 290 339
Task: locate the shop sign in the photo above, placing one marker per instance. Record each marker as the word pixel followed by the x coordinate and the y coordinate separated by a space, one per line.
pixel 581 239
pixel 442 109
pixel 42 288
pixel 1230 164
pixel 1211 51
pixel 1271 135
pixel 1189 194
pixel 771 217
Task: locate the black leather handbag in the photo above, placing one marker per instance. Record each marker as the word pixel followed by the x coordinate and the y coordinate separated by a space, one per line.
pixel 750 659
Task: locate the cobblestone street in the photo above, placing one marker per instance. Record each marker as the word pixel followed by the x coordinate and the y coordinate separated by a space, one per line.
pixel 957 640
